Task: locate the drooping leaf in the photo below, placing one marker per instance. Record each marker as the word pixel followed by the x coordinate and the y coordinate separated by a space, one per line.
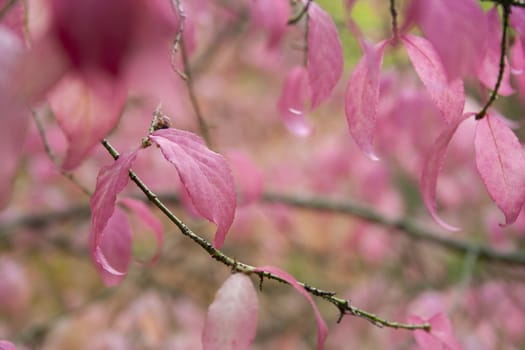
pixel 204 174
pixel 86 113
pixel 322 329
pixel 448 96
pixel 325 54
pixel 501 164
pixel 362 98
pixel 144 214
pixel 431 168
pixel 440 337
pixel 6 345
pixel 231 321
pixel 292 101
pixel 111 180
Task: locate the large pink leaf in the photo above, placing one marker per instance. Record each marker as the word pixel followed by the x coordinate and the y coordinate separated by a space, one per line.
pixel 86 113
pixel 322 329
pixel 457 30
pixel 111 180
pixel 325 54
pixel 6 345
pixel 362 98
pixel 232 317
pixel 431 168
pixel 204 174
pixel 292 101
pixel 440 337
pixel 501 164
pixel 489 69
pixel 144 214
pixel 449 97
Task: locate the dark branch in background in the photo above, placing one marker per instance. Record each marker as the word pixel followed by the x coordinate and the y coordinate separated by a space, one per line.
pixel 516 3
pixel 304 10
pixel 504 29
pixel 393 14
pixel 342 305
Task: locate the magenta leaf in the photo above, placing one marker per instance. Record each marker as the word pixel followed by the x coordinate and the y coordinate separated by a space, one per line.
pixel 440 337
pixel 431 168
pixel 322 329
pixel 362 98
pixel 325 54
pixel 111 180
pixel 232 317
pixel 292 101
pixel 86 113
pixel 204 174
pixel 501 164
pixel 144 214
pixel 448 96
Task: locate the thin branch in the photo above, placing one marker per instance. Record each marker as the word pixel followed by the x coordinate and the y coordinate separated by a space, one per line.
pixel 504 29
pixel 296 18
pixel 342 305
pixel 516 3
pixel 393 14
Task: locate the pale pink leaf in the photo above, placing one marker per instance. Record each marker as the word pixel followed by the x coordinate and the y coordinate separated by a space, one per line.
pixel 362 98
pixel 489 69
pixel 322 329
pixel 501 164
pixel 292 101
pixel 6 345
pixel 440 337
pixel 249 178
pixel 448 96
pixel 112 253
pixel 204 174
pixel 325 54
pixel 111 180
pixel 272 16
pixel 431 168
pixel 86 112
pixel 457 30
pixel 144 214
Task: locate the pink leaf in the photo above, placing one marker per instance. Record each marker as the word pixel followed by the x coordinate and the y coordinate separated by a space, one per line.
pixel 362 98
pixel 517 20
pixel 431 167
pixel 272 16
pixel 322 329
pixel 440 337
pixel 86 113
pixel 204 174
pixel 112 254
pixel 292 101
pixel 111 180
pixel 232 317
pixel 143 212
pixel 249 178
pixel 501 164
pixel 325 54
pixel 449 97
pixel 5 345
pixel 489 69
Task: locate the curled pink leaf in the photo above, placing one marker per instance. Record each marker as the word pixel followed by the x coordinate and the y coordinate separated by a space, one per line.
pixel 204 174
pixel 111 180
pixel 231 321
pixel 448 96
pixel 322 329
pixel 431 168
pixel 325 54
pixel 6 345
pixel 144 214
pixel 292 101
pixel 501 164
pixel 86 113
pixel 362 98
pixel 440 337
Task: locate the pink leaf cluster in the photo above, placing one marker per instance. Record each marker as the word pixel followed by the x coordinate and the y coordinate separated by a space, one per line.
pixel 440 337
pixel 231 321
pixel 204 174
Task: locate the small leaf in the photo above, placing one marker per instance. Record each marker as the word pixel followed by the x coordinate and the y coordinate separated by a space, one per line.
pixel 362 98
pixel 322 329
pixel 501 164
pixel 449 97
pixel 232 317
pixel 204 174
pixel 325 54
pixel 292 101
pixel 440 337
pixel 6 345
pixel 431 168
